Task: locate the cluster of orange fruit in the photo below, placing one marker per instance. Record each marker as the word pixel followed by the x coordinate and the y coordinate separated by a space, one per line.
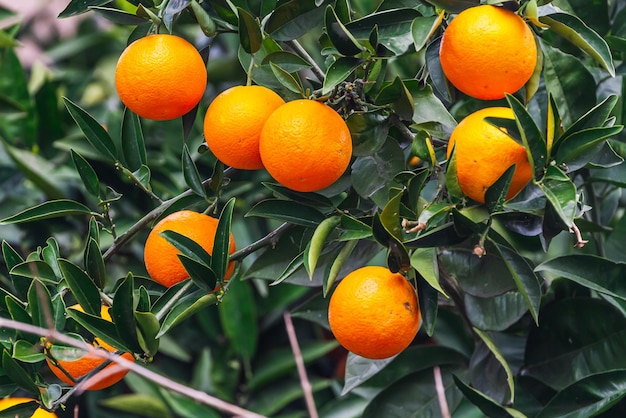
pixel 304 144
pixel 487 51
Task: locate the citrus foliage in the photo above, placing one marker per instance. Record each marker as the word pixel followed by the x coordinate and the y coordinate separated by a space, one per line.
pixel 521 299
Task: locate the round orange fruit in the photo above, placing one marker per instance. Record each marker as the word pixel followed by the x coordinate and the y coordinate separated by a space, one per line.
pixel 374 313
pixel 160 77
pixel 161 257
pixel 487 51
pixel 483 153
pixel 233 123
pixel 305 145
pixel 7 403
pixel 78 363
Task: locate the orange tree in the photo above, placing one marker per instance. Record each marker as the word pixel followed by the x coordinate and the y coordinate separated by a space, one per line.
pixel 520 291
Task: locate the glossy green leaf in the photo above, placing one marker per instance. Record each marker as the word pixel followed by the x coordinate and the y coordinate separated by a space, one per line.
pixel 82 286
pixel 11 257
pixel 288 80
pixel 353 228
pixel 40 305
pixel 47 210
pixel 399 97
pixel 593 118
pixel 87 174
pixel 99 327
pixel 486 339
pixel 186 307
pixel 250 36
pixel 486 404
pixel 424 261
pixel 117 16
pixel 76 7
pixel 35 269
pixel 495 195
pixel 429 113
pixel 123 313
pixel 561 194
pixel 133 145
pixel 577 32
pixel 138 404
pixel 368 130
pixel 94 132
pixel 17 373
pixel 287 211
pixel 579 148
pixel 204 19
pixel 442 235
pixel 191 174
pixel 339 36
pixel 22 410
pixel 26 352
pixel 306 198
pixel 276 397
pixel 577 337
pixel 202 275
pixel 238 318
pixel 390 215
pixel 18 313
pixel 94 263
pixel 588 397
pixel 422 28
pixel 393 26
pixel 187 247
pixel 288 61
pixel 454 6
pixel 148 327
pixel 221 247
pixel 339 71
pixel 293 18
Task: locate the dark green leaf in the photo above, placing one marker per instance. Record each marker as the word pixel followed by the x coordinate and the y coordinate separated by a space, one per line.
pixel 40 305
pixel 148 327
pixel 138 404
pixel 397 95
pixel 191 174
pixel 532 139
pixel 94 132
pixel 394 28
pixel 339 71
pixel 595 117
pixel 443 235
pixel 47 210
pixel 487 405
pixel 17 373
pixel 561 194
pixel 429 110
pixel 288 80
pixel 187 247
pixel 511 307
pixel 250 36
pixel 422 28
pixel 202 275
pixel 22 410
pixel 238 318
pixel 577 32
pixel 579 148
pixel 82 286
pixel 368 130
pixel 117 16
pixel 18 313
pixel 133 145
pixel 287 211
pixel 288 61
pixel 186 307
pixel 123 313
pixel 11 257
pixel 28 353
pixel 76 7
pixel 94 263
pixel 495 195
pixel 35 269
pixel 293 18
pixel 221 248
pixel 454 6
pixel 486 339
pixel 339 36
pixel 99 327
pixel 87 174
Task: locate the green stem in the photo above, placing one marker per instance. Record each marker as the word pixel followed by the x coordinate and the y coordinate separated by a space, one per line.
pixel 173 300
pixel 308 58
pixel 269 239
pixel 249 72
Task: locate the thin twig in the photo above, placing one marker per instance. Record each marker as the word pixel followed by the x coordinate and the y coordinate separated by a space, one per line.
pixel 441 393
pixel 269 239
pixel 308 58
pixel 173 300
pixel 297 354
pixel 154 377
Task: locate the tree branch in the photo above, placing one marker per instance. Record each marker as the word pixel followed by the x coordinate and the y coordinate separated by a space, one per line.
pixel 297 354
pixel 269 239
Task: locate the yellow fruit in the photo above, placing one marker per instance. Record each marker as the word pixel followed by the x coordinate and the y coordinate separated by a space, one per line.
pixel 305 145
pixel 488 51
pixel 374 313
pixel 7 403
pixel 233 123
pixel 87 361
pixel 161 257
pixel 483 153
pixel 160 77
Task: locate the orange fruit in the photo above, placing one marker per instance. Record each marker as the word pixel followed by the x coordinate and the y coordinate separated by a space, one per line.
pixel 487 51
pixel 233 123
pixel 160 77
pixel 374 313
pixel 7 403
pixel 78 362
pixel 483 153
pixel 305 145
pixel 161 257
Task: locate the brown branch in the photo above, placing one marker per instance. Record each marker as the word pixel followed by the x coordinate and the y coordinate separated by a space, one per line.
pixel 441 393
pixel 297 354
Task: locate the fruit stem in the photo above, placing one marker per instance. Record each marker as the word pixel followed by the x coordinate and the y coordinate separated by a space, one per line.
pixel 305 55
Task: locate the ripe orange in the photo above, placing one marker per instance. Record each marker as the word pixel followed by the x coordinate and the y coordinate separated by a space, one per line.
pixel 7 403
pixel 374 313
pixel 488 51
pixel 483 153
pixel 160 77
pixel 233 123
pixel 161 257
pixel 78 363
pixel 305 145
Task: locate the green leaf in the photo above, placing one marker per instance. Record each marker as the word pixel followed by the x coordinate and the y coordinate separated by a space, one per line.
pixel 99 327
pixel 147 330
pixel 191 174
pixel 339 71
pixel 595 117
pixel 35 269
pixel 87 174
pixel 202 275
pixel 286 79
pixel 580 148
pixel 345 43
pixel 40 305
pixel 94 263
pixel 561 194
pixel 82 286
pixel 47 210
pixel 495 195
pixel 587 397
pixel 424 261
pixel 286 211
pixel 22 410
pixel 250 37
pixel 293 18
pixel 26 352
pixel 583 269
pixel 422 28
pixel 17 373
pixel 11 257
pixel 577 32
pixel 138 404
pixel 238 318
pixel 429 112
pixel 306 198
pixel 186 307
pixel 173 9
pixel 117 16
pixel 399 97
pixel 221 247
pixel 454 6
pixel 368 130
pixel 487 405
pixel 318 242
pixel 18 313
pixel 393 25
pixel 94 132
pixel 133 145
pixel 505 365
pixel 123 313
pixel 335 268
pixel 76 7
pixel 577 337
pixel 288 61
pixel 187 247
